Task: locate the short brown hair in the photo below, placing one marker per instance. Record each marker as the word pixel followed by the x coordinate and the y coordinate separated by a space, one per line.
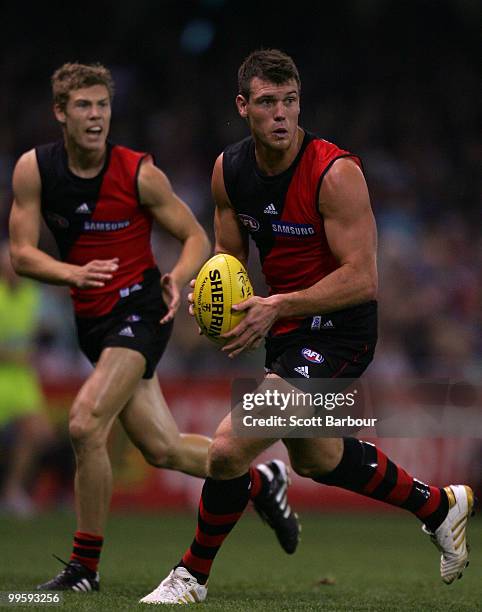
pixel 268 64
pixel 72 76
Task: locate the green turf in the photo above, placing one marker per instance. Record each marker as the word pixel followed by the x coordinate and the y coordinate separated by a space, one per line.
pixel 377 562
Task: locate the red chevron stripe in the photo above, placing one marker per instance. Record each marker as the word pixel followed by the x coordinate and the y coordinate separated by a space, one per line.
pixel 430 505
pixel 379 474
pixel 402 489
pixel 209 540
pixel 202 566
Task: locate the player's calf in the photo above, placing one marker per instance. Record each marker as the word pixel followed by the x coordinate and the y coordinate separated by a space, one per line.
pixel 163 455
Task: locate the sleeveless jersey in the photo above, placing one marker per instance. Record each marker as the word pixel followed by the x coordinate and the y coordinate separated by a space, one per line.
pixel 282 216
pixel 98 218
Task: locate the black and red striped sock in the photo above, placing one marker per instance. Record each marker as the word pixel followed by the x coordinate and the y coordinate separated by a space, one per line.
pixel 365 469
pixel 221 506
pixel 258 482
pixel 87 548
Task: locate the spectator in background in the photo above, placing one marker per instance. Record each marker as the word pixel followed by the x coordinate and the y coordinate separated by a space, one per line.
pixel 24 427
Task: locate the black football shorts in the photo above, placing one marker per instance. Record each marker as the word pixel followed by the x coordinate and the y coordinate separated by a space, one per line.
pixel 335 345
pixel 133 323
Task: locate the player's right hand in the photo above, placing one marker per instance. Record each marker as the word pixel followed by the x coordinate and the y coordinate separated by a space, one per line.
pixel 95 273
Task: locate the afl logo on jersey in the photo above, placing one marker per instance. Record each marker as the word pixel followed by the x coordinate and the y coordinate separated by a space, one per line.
pixel 250 222
pixel 57 220
pixel 312 356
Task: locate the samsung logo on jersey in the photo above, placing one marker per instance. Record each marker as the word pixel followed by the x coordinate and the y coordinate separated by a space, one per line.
pixel 285 228
pixel 105 226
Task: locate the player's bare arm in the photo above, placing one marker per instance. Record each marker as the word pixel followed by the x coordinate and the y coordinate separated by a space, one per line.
pixel 172 214
pixel 351 233
pixel 230 237
pixel 24 226
pixel 233 239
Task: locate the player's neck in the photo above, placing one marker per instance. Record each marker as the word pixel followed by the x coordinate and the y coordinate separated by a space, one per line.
pixel 272 162
pixel 85 163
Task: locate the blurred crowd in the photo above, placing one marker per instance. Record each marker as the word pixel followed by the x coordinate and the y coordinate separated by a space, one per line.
pixel 404 98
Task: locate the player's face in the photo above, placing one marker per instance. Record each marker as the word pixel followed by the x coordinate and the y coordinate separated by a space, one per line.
pixel 272 112
pixel 86 117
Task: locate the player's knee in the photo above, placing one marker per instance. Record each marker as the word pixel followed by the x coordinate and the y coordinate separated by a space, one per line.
pixel 306 470
pixel 85 433
pixel 85 426
pixel 321 463
pixel 225 461
pixel 322 466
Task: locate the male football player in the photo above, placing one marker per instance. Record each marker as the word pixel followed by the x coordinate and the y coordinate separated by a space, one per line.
pixel 305 203
pixel 99 200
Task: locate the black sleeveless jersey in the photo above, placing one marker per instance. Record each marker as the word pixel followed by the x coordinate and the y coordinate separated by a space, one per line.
pixel 282 216
pixel 97 218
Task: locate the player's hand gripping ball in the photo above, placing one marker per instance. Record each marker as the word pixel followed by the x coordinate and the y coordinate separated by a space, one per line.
pixel 221 282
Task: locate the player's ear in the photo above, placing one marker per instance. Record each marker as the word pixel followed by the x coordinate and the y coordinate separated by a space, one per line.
pixel 242 103
pixel 59 113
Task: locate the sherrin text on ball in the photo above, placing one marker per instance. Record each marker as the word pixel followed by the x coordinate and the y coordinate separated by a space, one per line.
pixel 221 282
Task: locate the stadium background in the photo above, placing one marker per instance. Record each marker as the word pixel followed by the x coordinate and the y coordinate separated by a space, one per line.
pixel 394 82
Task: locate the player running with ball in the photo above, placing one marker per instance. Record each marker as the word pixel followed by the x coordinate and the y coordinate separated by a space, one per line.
pixel 99 201
pixel 305 203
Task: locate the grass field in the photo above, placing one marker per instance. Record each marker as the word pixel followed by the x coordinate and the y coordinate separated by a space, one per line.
pixel 377 562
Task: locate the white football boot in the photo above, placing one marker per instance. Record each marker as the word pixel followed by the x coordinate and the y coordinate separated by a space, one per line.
pixel 450 537
pixel 178 588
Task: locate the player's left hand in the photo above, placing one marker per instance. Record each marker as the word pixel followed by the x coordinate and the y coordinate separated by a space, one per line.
pixel 190 301
pixel 249 334
pixel 190 297
pixel 172 296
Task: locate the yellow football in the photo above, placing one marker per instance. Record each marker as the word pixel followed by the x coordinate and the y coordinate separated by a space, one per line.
pixel 221 282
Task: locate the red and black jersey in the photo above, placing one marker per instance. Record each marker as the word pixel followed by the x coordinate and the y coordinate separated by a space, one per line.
pixel 98 218
pixel 282 216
